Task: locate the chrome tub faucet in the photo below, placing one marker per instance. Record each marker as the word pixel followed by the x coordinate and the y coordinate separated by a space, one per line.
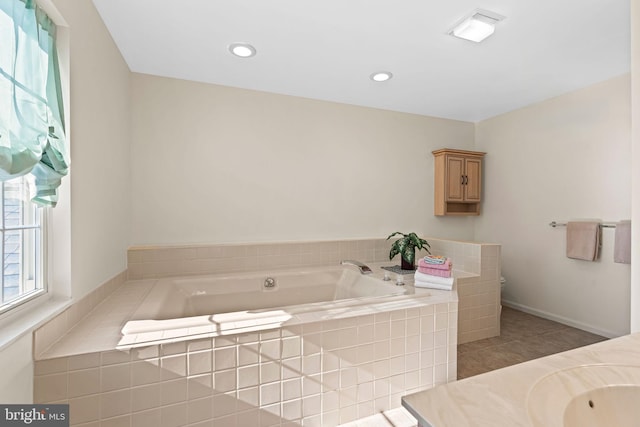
pixel 364 269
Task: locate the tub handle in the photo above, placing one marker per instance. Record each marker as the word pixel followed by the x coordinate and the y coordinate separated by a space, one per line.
pixel 269 282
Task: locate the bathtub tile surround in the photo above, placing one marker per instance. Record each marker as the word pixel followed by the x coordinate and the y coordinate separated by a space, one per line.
pixel 537 393
pixel 167 261
pixel 59 326
pixel 100 329
pixel 398 417
pixel 321 373
pixel 479 292
pixel 477 268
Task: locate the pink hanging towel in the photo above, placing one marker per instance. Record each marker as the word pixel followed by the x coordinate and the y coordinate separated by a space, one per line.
pixel 583 240
pixel 622 246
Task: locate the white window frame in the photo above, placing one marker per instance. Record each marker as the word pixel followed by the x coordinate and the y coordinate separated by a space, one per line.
pixel 38 257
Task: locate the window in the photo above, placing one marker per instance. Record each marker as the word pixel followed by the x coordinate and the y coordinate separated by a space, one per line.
pixel 22 230
pixel 33 150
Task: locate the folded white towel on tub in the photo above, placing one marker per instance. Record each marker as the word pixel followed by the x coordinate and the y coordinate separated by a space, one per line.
pixel 422 280
pixel 430 285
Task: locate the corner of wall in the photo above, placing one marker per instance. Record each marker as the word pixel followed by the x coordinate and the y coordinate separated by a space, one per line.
pixel 635 159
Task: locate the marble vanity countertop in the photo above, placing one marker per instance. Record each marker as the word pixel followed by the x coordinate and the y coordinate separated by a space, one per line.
pixel 504 397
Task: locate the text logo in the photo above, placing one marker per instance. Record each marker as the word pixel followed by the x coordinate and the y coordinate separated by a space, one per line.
pixel 34 415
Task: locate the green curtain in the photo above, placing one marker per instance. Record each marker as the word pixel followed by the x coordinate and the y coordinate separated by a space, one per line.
pixel 32 134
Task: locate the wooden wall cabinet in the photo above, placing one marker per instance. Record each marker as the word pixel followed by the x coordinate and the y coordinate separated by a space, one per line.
pixel 458 182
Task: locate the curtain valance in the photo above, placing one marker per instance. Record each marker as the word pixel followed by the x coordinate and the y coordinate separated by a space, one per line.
pixel 32 133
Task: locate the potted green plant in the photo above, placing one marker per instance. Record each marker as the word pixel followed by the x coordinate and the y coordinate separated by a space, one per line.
pixel 406 247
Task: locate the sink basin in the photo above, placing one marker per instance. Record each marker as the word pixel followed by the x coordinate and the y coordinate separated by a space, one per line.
pixel 586 396
pixel 616 405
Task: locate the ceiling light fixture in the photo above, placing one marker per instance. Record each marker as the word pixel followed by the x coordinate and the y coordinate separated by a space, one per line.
pixel 477 26
pixel 243 50
pixel 381 76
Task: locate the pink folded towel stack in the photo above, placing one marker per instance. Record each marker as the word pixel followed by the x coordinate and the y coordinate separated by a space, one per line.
pixel 439 270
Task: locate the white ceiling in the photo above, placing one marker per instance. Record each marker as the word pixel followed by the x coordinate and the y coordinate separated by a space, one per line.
pixel 326 49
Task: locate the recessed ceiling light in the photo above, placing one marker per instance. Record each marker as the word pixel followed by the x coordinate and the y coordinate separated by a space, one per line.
pixel 381 76
pixel 243 50
pixel 477 26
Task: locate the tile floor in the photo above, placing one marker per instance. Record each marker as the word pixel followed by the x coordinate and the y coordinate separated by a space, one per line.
pixel 523 337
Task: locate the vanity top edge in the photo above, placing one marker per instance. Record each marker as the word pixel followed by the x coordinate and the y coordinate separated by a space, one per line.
pixel 499 398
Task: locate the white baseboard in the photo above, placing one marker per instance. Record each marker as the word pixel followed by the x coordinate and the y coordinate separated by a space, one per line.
pixel 560 319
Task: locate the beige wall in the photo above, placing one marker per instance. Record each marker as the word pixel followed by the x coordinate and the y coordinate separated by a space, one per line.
pixel 635 132
pixel 216 164
pixel 562 159
pixel 16 364
pixel 100 149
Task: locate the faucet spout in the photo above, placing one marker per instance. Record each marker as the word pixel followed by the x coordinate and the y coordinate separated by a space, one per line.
pixel 364 269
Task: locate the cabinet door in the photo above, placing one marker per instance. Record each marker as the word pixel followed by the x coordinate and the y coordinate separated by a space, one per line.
pixel 472 180
pixel 454 178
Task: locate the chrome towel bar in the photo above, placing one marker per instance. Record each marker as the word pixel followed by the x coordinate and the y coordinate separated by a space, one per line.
pixel 564 224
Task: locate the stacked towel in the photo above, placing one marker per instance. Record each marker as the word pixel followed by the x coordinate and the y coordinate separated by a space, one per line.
pixel 434 272
pixel 439 270
pixel 422 280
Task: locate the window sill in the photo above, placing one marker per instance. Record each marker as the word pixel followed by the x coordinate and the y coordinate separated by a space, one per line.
pixel 29 318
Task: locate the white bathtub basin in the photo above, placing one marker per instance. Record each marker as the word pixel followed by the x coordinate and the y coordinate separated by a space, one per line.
pixel 182 307
pixel 296 289
pixel 587 396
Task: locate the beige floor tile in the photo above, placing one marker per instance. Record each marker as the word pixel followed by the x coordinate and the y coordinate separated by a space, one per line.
pixel 523 337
